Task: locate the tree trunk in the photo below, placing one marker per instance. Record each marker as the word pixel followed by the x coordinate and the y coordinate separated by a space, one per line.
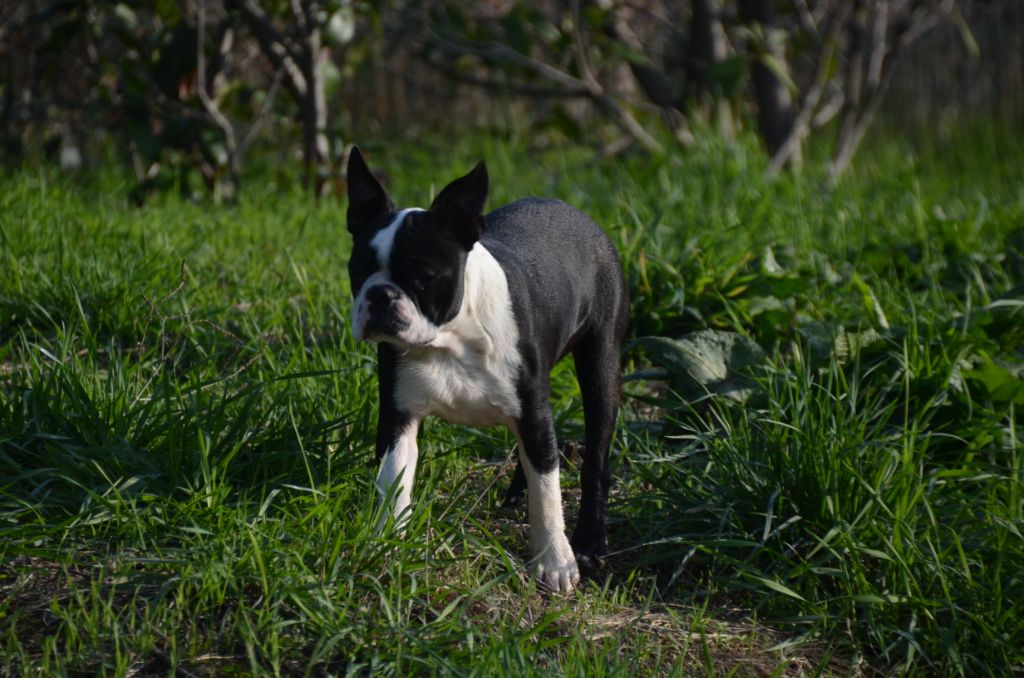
pixel 774 103
pixel 708 46
pixel 314 111
pixel 655 84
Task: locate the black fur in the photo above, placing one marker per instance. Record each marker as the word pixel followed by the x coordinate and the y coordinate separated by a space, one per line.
pixel 568 296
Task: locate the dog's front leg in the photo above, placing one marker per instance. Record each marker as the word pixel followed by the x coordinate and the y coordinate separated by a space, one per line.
pixel 397 466
pixel 397 452
pixel 554 562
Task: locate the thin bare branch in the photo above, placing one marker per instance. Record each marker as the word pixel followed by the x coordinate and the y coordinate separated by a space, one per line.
pixel 282 53
pixel 878 50
pixel 807 21
pixel 852 137
pixel 208 103
pixel 579 42
pixel 809 103
pixel 588 87
pixel 865 92
pixel 497 85
pixel 261 116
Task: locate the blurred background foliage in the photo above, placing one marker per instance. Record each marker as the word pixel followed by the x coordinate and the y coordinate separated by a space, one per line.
pixel 184 90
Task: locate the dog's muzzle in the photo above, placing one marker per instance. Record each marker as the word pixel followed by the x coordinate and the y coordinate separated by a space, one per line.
pixel 384 312
pixel 383 315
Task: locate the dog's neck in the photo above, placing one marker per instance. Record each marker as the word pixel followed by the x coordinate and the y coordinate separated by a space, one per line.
pixel 485 323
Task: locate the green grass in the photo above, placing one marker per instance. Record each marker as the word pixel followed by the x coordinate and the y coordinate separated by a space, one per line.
pixel 186 431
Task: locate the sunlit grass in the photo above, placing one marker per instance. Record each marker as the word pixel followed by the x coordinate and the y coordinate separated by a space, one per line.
pixel 186 432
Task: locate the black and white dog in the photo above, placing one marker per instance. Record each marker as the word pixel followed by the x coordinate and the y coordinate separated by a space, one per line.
pixel 470 313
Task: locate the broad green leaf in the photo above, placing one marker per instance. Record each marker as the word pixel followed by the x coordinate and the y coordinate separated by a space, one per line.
pixel 1000 384
pixel 709 361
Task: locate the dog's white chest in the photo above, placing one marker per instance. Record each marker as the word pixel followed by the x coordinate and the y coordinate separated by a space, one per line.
pixel 468 373
pixel 467 387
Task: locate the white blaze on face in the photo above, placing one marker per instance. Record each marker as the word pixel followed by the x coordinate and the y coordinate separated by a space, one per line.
pixel 418 329
pixel 384 240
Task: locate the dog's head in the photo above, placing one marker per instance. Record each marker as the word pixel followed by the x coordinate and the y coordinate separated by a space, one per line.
pixel 407 266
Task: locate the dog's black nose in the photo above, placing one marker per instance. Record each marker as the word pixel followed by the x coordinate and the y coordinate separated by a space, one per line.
pixel 382 296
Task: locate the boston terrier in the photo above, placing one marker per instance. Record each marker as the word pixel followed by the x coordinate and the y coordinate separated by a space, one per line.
pixel 470 312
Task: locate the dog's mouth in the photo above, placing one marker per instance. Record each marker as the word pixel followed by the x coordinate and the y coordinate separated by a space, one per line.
pixel 397 330
pixel 384 327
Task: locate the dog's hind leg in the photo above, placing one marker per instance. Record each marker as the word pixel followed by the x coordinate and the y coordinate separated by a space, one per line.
pixel 599 373
pixel 516 487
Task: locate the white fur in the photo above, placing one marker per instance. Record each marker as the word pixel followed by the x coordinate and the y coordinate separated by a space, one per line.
pixel 467 373
pixel 554 562
pixel 399 466
pixel 384 239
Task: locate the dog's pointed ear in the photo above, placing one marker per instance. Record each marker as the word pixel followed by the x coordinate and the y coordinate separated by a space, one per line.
pixel 367 199
pixel 461 205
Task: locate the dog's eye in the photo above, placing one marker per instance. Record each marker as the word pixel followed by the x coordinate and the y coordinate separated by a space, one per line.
pixel 424 278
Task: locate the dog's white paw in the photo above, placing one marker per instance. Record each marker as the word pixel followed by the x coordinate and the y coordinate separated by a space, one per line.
pixel 557 570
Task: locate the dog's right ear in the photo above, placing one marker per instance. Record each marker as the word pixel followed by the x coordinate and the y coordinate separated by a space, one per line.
pixel 367 199
pixel 460 204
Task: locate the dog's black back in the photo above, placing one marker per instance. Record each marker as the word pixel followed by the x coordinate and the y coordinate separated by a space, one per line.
pixel 537 238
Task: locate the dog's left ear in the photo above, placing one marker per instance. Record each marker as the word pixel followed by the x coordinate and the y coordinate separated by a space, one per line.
pixel 461 205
